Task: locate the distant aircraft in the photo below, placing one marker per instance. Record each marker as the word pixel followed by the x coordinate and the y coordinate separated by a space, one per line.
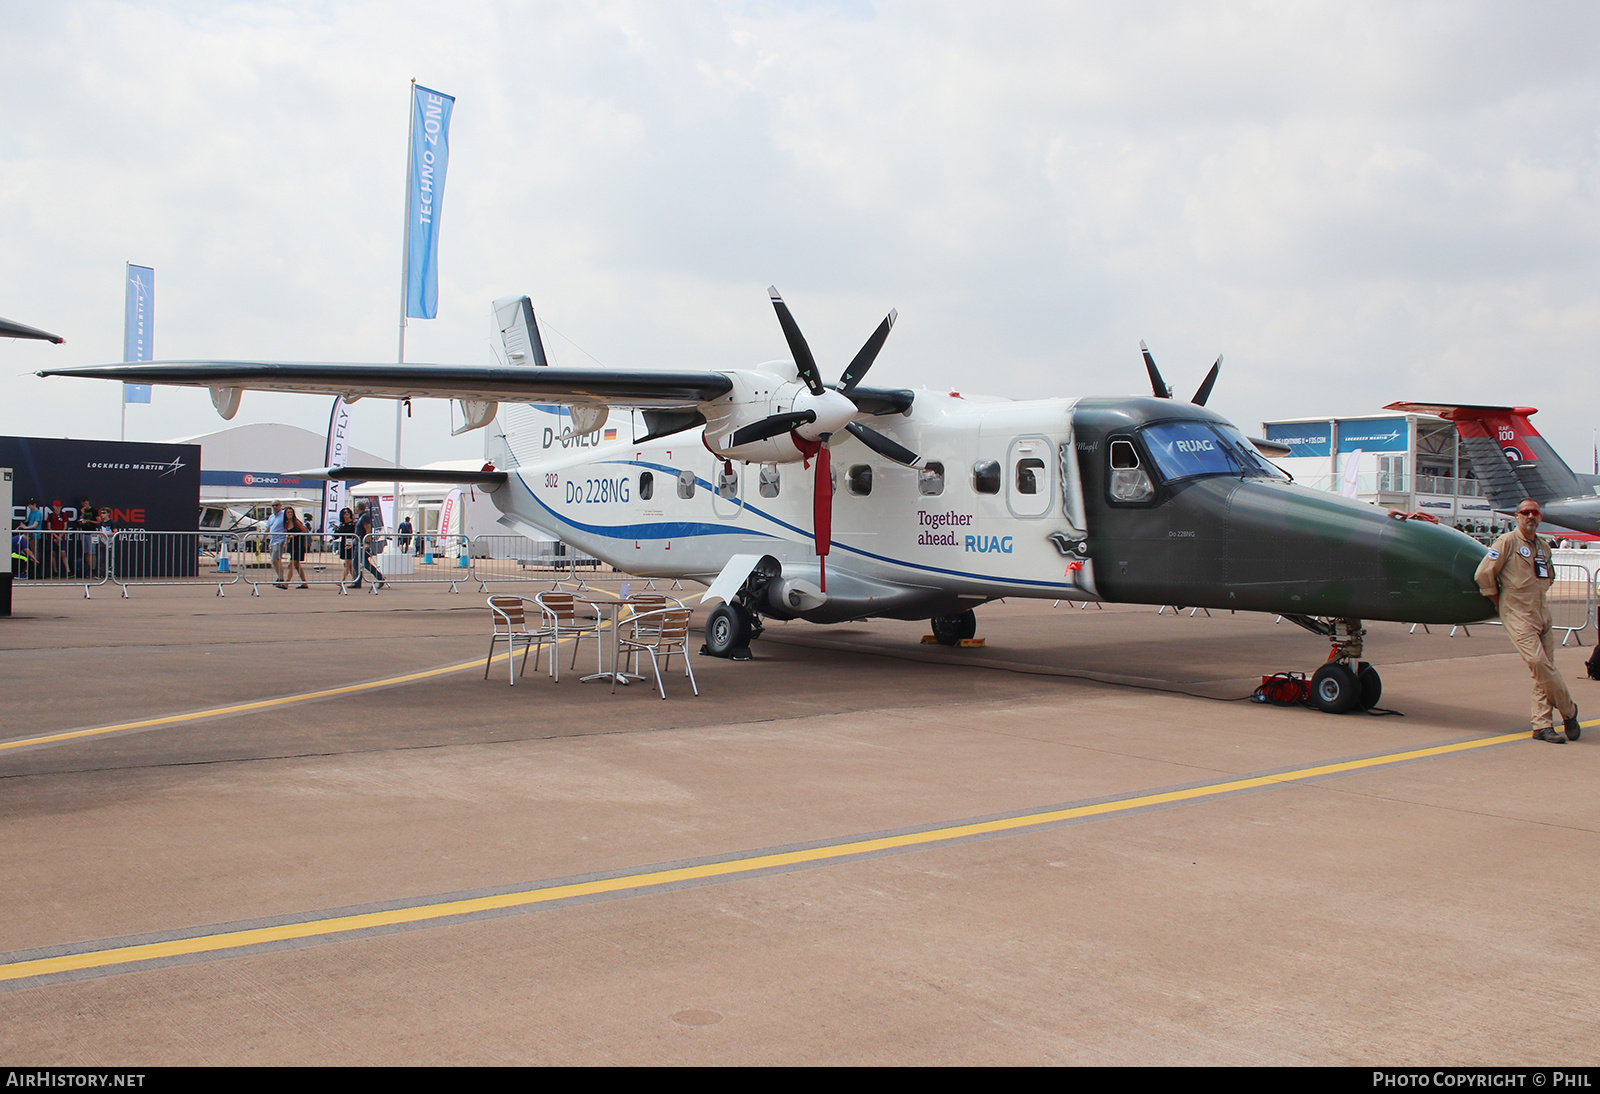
pixel 1513 462
pixel 791 506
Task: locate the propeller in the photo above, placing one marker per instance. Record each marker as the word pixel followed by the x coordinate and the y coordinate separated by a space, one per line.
pixel 822 412
pixel 1163 390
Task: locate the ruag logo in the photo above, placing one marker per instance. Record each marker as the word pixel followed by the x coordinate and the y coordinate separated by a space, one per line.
pixel 989 545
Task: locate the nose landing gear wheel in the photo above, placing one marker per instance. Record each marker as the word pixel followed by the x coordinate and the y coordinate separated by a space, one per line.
pixel 1369 687
pixel 1334 688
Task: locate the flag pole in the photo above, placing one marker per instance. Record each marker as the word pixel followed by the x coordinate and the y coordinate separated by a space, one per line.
pixel 405 258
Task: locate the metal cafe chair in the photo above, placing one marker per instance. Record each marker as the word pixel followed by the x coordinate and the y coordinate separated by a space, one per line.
pixel 510 615
pixel 562 616
pixel 659 632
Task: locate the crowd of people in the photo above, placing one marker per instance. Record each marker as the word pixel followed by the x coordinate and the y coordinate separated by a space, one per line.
pixel 58 543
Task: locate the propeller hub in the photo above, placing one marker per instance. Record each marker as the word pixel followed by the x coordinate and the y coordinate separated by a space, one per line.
pixel 833 410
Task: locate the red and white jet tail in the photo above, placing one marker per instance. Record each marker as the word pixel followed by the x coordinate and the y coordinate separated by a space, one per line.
pixel 1511 459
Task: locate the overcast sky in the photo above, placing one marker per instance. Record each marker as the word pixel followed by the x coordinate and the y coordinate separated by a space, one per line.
pixel 1356 203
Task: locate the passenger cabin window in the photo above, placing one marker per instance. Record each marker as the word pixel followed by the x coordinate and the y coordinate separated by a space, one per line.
pixel 1129 481
pixel 727 483
pixel 647 486
pixel 986 476
pixel 769 480
pixel 685 484
pixel 859 480
pixel 1030 472
pixel 930 480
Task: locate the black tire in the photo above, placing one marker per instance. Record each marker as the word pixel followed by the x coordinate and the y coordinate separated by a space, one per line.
pixel 1369 687
pixel 1334 689
pixel 727 629
pixel 951 629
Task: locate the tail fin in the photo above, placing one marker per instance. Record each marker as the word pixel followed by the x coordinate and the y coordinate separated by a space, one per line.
pixel 1512 460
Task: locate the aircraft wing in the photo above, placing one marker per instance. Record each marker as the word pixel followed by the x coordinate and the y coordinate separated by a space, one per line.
pixel 434 475
pixel 636 388
pixel 10 328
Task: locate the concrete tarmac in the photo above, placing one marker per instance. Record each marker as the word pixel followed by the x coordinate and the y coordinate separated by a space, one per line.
pixel 302 828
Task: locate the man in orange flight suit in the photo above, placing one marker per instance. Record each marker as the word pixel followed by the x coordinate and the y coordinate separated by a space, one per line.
pixel 1516 575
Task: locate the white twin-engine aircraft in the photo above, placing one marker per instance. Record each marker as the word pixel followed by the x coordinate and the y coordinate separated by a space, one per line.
pixel 794 498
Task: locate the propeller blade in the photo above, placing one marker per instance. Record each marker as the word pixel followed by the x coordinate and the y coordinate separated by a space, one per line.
pixel 1157 384
pixel 770 426
pixel 803 361
pixel 884 446
pixel 822 510
pixel 869 353
pixel 1204 393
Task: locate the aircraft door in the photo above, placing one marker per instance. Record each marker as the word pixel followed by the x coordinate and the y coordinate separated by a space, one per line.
pixel 1030 478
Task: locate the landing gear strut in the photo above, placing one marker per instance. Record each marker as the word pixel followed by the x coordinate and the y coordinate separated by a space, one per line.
pixel 1346 682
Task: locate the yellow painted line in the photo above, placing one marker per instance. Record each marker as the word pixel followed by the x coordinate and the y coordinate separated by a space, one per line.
pixel 229 940
pixel 258 704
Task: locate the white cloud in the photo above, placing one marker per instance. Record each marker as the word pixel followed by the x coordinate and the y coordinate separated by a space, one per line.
pixel 1357 203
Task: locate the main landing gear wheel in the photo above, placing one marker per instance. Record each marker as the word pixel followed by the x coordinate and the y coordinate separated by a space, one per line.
pixel 1334 688
pixel 951 629
pixel 728 631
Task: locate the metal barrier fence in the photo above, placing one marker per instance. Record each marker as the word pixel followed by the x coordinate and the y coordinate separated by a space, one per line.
pixel 1572 605
pixel 517 558
pixel 301 560
pixel 1572 600
pixel 414 560
pixel 171 558
pixel 70 558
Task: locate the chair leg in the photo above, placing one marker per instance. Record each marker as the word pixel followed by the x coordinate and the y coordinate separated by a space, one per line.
pixel 527 644
pixel 688 671
pixel 487 661
pixel 657 666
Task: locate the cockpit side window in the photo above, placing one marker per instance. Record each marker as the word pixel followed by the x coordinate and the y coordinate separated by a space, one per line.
pixel 986 476
pixel 1129 481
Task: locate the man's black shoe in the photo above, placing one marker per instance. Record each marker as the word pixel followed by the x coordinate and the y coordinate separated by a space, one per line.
pixel 1554 736
pixel 1574 730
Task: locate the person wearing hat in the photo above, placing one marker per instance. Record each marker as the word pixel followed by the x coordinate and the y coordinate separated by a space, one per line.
pixel 1516 575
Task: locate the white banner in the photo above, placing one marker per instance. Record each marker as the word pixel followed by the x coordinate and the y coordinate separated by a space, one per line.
pixel 333 493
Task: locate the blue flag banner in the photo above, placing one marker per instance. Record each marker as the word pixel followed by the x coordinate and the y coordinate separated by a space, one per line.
pixel 138 326
pixel 430 155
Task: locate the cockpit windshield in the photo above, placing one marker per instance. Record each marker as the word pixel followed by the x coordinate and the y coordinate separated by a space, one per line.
pixel 1190 449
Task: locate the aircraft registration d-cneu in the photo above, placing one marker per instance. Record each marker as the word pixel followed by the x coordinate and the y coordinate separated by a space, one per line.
pixel 1514 462
pixel 769 485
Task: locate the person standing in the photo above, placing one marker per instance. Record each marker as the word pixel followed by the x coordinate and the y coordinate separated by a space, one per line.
pixel 366 525
pixel 275 540
pixel 1516 576
pixel 55 527
pixel 345 531
pixel 295 532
